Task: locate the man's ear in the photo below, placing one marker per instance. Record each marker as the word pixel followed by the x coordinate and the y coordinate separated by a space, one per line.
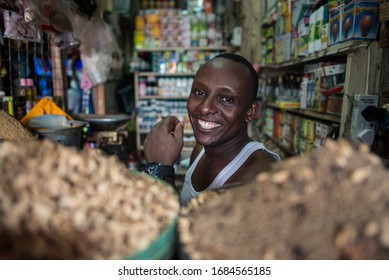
pixel 252 111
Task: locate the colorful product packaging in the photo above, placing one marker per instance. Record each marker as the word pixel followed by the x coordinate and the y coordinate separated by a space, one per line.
pixel 348 20
pixel 335 28
pixel 322 131
pixel 366 20
pixel 8 104
pixel 19 106
pixel 324 29
pixel 332 4
pixel 312 29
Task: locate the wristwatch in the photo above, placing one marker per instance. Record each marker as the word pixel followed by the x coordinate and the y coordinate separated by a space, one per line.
pixel 159 170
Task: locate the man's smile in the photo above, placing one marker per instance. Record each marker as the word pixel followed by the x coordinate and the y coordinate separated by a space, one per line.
pixel 208 125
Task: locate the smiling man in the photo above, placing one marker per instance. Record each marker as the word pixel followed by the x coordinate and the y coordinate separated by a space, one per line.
pixel 221 104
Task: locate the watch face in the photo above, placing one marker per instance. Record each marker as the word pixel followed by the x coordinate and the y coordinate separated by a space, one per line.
pixel 152 169
pixel 159 170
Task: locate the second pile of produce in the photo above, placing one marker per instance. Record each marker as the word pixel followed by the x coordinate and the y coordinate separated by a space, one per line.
pixel 330 204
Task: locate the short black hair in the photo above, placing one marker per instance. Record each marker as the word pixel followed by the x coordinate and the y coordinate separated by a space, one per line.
pixel 240 59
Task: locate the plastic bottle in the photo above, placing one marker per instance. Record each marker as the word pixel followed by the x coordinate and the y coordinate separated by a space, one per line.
pixel 29 95
pixel 19 101
pixel 133 162
pixel 142 87
pixel 304 91
pixel 3 103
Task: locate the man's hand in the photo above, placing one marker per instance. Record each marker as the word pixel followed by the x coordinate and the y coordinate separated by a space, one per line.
pixel 165 141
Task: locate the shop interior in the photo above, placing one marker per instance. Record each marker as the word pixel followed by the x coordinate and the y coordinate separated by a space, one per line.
pixel 97 76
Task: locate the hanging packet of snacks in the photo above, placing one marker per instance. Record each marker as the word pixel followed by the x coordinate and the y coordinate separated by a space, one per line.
pixel 98 47
pixel 15 25
pixel 18 29
pixel 54 17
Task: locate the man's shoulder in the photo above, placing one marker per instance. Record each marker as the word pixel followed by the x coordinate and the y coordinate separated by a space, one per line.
pixel 261 157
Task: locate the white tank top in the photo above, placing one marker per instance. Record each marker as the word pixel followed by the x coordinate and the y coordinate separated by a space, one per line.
pixel 188 192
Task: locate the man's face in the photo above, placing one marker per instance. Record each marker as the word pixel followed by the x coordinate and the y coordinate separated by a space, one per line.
pixel 219 101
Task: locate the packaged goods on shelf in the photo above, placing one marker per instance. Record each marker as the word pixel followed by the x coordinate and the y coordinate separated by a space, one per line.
pixel 308 90
pixel 304 92
pixel 269 122
pixel 179 61
pixel 335 28
pixel 324 35
pixel 296 136
pixel 322 50
pixel 155 28
pixel 321 40
pixel 271 10
pixel 288 131
pixel 268 44
pixel 332 77
pixel 174 86
pixel 306 28
pixel 283 49
pixel 321 132
pixel 334 104
pixel 153 110
pixel 348 20
pixel 288 104
pixel 306 136
pixel 324 131
pixel 319 21
pixel 312 30
pixel 320 80
pixel 332 4
pixel 278 124
pixel 360 20
pixel 366 20
pixel 299 10
pixel 303 34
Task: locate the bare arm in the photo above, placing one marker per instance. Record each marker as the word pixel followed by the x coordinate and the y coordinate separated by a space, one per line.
pixel 164 143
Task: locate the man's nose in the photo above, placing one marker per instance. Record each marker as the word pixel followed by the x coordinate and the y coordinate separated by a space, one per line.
pixel 208 106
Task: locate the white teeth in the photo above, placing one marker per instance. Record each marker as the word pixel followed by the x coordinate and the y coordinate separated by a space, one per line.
pixel 208 125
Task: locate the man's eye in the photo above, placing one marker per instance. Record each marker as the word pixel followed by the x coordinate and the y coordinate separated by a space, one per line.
pixel 228 99
pixel 199 93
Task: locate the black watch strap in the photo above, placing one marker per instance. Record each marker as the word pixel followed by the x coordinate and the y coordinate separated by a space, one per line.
pixel 167 171
pixel 159 170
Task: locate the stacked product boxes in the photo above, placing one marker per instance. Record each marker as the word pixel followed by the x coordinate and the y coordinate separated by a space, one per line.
pixel 308 26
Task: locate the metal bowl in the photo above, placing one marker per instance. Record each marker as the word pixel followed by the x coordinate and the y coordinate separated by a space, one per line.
pixel 104 122
pixel 67 136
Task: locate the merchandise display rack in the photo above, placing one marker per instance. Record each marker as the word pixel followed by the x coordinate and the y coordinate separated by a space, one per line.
pixel 356 55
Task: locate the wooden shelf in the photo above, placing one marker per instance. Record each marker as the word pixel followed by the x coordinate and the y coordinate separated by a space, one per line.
pixel 332 51
pixel 279 145
pixel 307 113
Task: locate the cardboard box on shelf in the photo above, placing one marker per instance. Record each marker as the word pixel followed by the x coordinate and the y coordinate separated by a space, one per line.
pixel 335 26
pixel 322 131
pixel 366 20
pixel 360 20
pixel 348 20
